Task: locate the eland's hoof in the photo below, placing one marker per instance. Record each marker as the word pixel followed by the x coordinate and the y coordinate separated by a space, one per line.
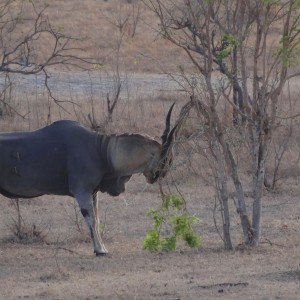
pixel 101 253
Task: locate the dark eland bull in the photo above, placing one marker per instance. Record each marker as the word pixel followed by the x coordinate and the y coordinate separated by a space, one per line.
pixel 66 158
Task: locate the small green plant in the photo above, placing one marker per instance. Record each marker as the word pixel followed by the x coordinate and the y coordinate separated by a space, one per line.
pixel 229 42
pixel 170 223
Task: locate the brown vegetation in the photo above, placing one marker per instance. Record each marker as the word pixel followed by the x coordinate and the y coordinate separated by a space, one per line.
pixel 59 263
pixel 101 26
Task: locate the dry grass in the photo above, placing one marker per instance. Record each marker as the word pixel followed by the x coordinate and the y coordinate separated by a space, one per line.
pixel 62 265
pixel 65 267
pixel 96 24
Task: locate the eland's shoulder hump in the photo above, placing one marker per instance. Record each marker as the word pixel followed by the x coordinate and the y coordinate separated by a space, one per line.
pixel 65 123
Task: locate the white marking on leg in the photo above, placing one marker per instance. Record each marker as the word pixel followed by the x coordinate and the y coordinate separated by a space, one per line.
pixel 97 222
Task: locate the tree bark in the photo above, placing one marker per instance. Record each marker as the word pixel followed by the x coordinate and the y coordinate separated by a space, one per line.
pixel 226 215
pixel 256 216
pixel 242 209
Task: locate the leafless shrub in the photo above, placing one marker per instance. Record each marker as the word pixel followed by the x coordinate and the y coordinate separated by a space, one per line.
pixel 231 40
pixel 25 29
pixel 26 233
pixel 126 17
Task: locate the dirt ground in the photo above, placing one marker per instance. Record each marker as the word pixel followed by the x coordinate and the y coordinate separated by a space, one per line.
pixel 64 267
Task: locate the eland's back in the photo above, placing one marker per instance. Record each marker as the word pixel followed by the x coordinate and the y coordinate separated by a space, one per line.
pixel 36 163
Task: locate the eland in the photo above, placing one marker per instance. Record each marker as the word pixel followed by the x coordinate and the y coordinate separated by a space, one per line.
pixel 66 158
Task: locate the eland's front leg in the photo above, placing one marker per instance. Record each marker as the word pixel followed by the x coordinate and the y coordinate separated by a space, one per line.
pixel 97 224
pixel 87 205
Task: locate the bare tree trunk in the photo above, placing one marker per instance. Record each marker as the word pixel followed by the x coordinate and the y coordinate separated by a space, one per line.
pixel 221 177
pixel 257 197
pixel 225 213
pixel 242 209
pixel 258 183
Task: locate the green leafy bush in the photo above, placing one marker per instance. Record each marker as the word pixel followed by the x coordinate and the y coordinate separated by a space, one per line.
pixel 229 42
pixel 170 223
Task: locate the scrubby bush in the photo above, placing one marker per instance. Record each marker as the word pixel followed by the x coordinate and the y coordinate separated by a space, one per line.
pixel 170 223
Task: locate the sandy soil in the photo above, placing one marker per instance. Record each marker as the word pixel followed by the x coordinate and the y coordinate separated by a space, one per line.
pixel 64 267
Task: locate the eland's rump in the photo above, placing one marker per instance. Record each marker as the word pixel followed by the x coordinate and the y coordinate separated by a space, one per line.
pixel 37 162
